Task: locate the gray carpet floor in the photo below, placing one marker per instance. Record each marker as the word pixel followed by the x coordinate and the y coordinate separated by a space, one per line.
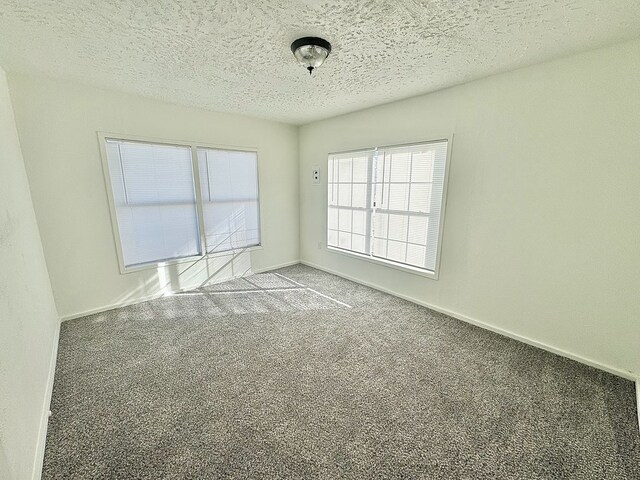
pixel 300 374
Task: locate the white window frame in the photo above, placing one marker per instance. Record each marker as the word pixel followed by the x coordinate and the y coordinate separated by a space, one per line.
pixel 194 146
pixel 435 274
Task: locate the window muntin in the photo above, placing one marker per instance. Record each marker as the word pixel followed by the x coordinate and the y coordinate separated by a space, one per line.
pixel 230 204
pixel 158 214
pixel 403 208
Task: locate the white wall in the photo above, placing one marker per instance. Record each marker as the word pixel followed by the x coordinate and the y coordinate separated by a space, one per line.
pixel 542 228
pixel 57 123
pixel 28 318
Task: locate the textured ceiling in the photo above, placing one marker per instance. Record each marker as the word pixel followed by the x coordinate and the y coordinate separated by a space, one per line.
pixel 234 56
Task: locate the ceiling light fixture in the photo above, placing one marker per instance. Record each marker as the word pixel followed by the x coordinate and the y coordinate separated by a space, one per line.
pixel 311 52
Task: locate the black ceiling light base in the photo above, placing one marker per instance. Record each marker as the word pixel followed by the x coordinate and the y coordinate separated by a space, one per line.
pixel 320 42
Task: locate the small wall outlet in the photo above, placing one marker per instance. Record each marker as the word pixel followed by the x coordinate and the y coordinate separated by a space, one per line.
pixel 319 245
pixel 315 175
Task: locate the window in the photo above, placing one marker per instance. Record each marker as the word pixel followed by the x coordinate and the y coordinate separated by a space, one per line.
pixel 229 186
pixel 349 211
pixel 386 203
pixel 158 213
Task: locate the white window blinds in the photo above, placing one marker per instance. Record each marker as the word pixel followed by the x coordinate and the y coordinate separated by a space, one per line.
pixel 230 204
pixel 154 201
pixel 398 203
pixel 158 213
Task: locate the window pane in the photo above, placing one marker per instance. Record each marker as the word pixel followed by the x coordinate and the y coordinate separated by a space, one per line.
pixel 400 166
pixel 359 196
pixel 418 230
pixel 231 207
pixel 399 196
pixel 398 227
pixel 381 221
pixel 360 169
pixel 358 243
pixel 379 247
pixel 332 194
pixel 344 170
pixel 382 195
pixel 416 255
pixel 344 240
pixel 359 222
pixel 379 169
pixel 344 220
pixel 422 166
pixel 332 219
pixel 155 203
pixel 344 194
pixel 397 251
pixel 420 198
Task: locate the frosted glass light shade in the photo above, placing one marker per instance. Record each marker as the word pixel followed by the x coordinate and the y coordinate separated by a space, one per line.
pixel 311 52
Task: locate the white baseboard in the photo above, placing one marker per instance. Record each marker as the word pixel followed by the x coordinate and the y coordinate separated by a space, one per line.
pixel 487 326
pixel 638 400
pixel 46 405
pixel 154 296
pixel 106 308
pixel 275 267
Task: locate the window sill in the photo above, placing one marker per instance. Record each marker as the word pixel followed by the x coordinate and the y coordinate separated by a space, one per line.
pixel 387 263
pixel 193 259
